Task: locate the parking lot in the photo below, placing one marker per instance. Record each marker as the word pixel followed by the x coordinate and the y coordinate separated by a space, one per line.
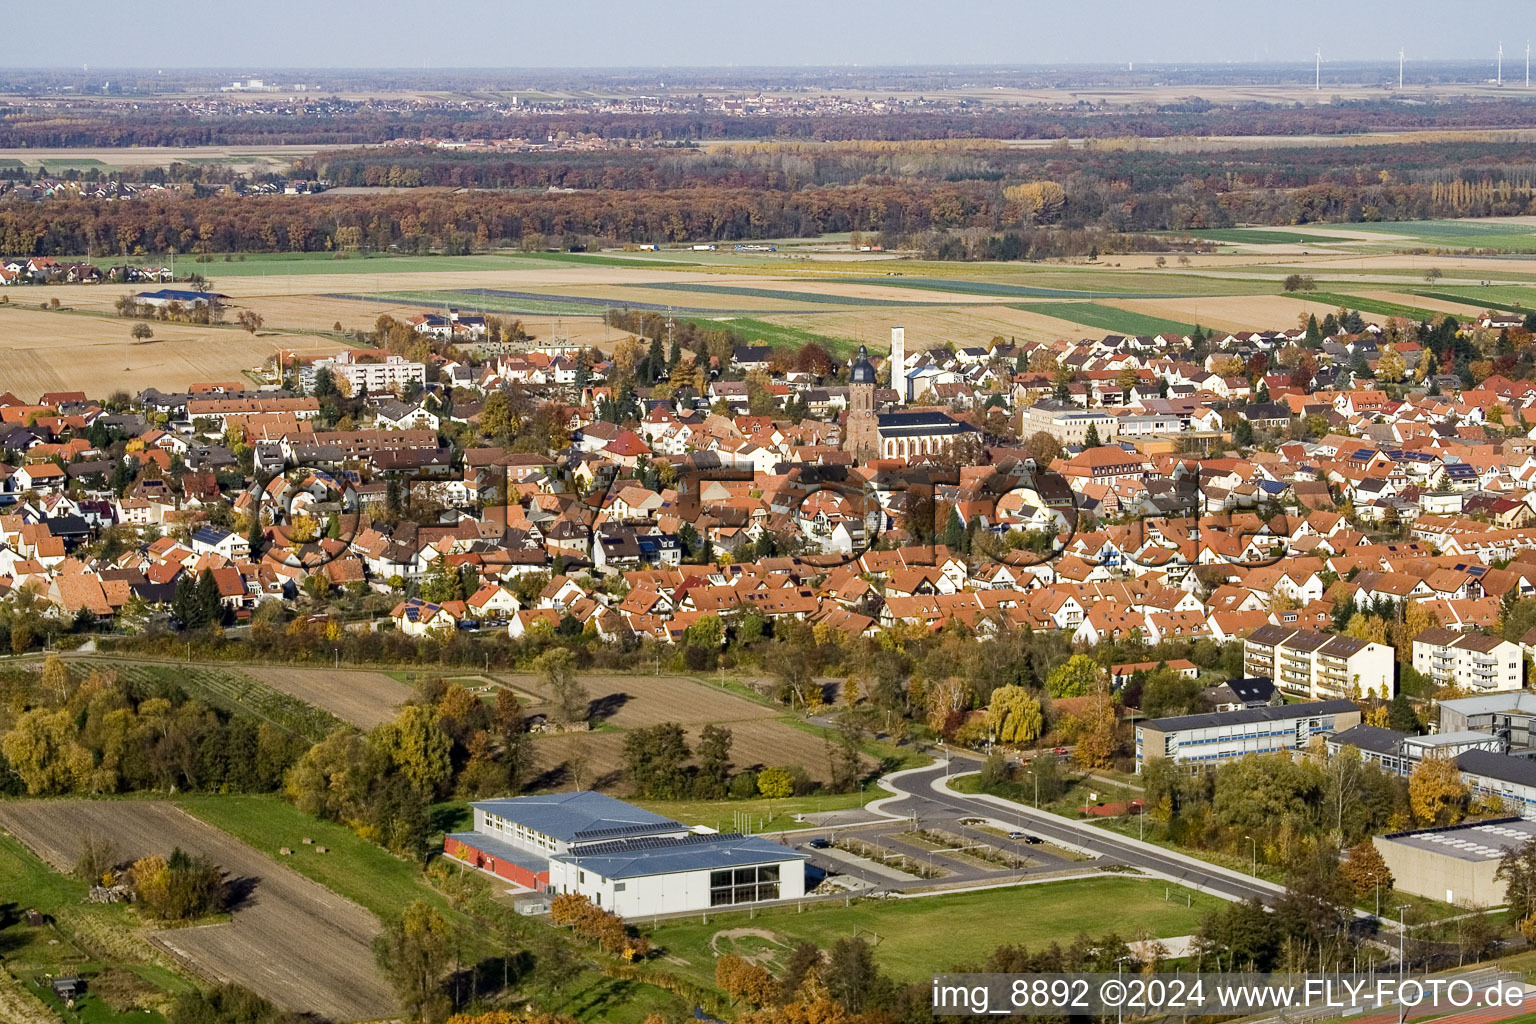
pixel 901 854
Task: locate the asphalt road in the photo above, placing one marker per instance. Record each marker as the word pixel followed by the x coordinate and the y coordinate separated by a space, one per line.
pixel 916 795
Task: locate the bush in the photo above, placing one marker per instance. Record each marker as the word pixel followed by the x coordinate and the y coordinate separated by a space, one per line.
pixel 183 888
pixel 744 785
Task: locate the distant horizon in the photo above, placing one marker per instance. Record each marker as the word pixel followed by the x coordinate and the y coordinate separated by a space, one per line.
pixel 484 35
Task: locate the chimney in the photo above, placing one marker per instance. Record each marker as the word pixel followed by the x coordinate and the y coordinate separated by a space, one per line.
pixel 898 362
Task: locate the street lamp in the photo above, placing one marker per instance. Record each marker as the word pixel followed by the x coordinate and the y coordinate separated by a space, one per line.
pixel 1402 931
pixel 1255 845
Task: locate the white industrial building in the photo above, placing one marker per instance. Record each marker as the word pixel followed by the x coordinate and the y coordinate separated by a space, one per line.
pixel 1482 664
pixel 624 858
pixel 1203 741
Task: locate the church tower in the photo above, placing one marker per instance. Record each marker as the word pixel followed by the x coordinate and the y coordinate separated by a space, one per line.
pixel 862 435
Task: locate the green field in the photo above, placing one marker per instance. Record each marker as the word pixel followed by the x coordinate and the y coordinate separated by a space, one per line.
pixel 1503 297
pixel 1494 233
pixel 1108 318
pixel 1261 236
pixel 915 937
pixel 1378 306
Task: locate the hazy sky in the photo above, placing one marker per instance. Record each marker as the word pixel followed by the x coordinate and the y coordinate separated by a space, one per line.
pixel 627 33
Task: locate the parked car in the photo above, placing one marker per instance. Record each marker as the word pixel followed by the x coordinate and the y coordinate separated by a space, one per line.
pixel 819 843
pixel 1058 750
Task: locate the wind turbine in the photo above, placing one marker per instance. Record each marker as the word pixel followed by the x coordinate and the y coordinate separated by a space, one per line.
pixel 1399 69
pixel 1317 85
pixel 1501 64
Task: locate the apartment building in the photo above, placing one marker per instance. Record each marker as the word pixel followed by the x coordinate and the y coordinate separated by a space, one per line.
pixel 1205 740
pixel 1482 664
pixel 393 375
pixel 1320 666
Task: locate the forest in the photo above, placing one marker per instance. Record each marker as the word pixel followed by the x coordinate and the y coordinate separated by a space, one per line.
pixel 952 200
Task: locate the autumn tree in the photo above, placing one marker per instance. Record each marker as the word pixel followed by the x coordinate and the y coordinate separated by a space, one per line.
pixel 743 980
pixel 414 952
pixel 776 783
pixel 1014 715
pixel 1096 740
pixel 1365 870
pixel 142 331
pixel 1043 447
pixel 1076 677
pixel 1436 792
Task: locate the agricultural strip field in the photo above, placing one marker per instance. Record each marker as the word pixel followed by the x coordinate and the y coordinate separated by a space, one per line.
pixel 914 937
pixel 59 351
pixel 1108 318
pixel 365 699
pixel 290 940
pixel 1261 236
pixel 231 690
pixel 1232 313
pixel 784 294
pixel 1504 298
pixel 1514 234
pixel 1365 304
pixel 1083 290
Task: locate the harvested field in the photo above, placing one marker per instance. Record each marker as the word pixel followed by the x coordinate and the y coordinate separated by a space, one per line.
pixel 637 701
pixel 59 351
pixel 755 744
pixel 1234 312
pixel 365 699
pixel 760 734
pixel 291 940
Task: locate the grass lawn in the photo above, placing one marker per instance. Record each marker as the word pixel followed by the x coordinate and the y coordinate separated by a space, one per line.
pixel 766 815
pixel 1120 321
pixel 914 937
